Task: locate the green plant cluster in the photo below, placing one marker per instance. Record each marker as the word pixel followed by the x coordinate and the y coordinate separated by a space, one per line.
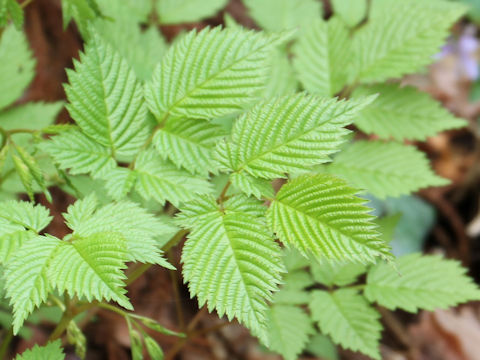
pixel 202 129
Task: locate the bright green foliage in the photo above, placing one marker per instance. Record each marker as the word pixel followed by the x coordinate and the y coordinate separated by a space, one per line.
pixel 77 338
pixel 52 351
pixel 403 113
pixel 181 11
pixel 281 80
pixel 33 116
pixel 401 37
pixel 125 219
pixel 385 169
pixel 331 273
pixel 26 275
pixel 11 9
pixel 286 134
pixel 323 56
pixel 141 49
pixel 320 215
pixel 153 349
pixel 163 181
pixel 17 67
pixel 251 186
pixel 82 11
pixel 189 143
pixel 27 215
pixel 195 82
pixel 119 182
pixel 231 260
pixel 80 154
pixel 277 15
pixel 106 99
pixel 348 319
pixel 126 11
pixel 351 12
pixel 420 282
pixel 289 328
pixel 94 270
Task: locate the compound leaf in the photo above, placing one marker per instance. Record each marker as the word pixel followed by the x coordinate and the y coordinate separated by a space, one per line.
pixel 286 134
pixel 26 275
pixel 106 99
pixel 195 82
pixel 231 261
pixel 189 144
pixel 320 215
pixel 95 267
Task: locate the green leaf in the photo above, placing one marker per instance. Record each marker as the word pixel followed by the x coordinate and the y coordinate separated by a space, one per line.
pixel 351 12
pixel 142 50
pixel 125 219
pixel 154 350
pixel 293 289
pixel 348 319
pixel 189 144
pixel 420 282
pixel 27 282
pixel 403 113
pixel 278 15
pixel 32 116
pixel 289 328
pixel 231 261
pixel 182 11
pixel 76 337
pixel 119 182
pixel 25 176
pixel 75 151
pixel 162 180
pixel 286 134
pixel 322 56
pixel 282 80
pixel 321 215
pixel 331 273
pixel 401 37
pixel 52 351
pixel 195 82
pixel 17 68
pixel 82 11
pixel 106 99
pixel 322 347
pixel 126 11
pixel 32 167
pixel 97 260
pixel 252 186
pixel 25 214
pixel 385 169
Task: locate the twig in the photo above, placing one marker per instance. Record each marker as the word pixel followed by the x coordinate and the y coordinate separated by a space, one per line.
pixel 395 326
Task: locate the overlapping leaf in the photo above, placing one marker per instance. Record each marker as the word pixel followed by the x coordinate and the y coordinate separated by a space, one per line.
pixel 51 351
pixel 189 144
pixel 321 215
pixel 231 261
pixel 286 134
pixel 323 56
pixel 106 99
pixel 162 180
pixel 95 268
pixel 210 73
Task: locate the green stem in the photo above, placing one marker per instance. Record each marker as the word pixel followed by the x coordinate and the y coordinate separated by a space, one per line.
pixel 113 309
pixel 6 343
